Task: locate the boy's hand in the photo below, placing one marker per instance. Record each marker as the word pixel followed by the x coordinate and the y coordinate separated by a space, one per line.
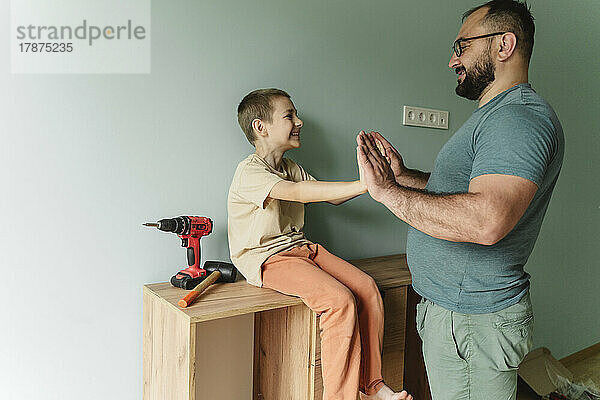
pixel 391 154
pixel 361 172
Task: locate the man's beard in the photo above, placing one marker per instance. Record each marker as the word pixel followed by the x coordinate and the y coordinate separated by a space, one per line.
pixel 476 80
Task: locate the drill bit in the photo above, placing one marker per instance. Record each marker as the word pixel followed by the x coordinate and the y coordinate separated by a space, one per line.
pixel 151 224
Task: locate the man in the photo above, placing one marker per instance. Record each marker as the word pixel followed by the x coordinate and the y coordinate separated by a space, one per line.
pixel 474 220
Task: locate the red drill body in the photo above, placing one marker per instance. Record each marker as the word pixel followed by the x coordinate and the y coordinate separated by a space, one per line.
pixel 190 230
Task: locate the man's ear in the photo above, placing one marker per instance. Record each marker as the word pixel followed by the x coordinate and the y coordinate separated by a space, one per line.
pixel 507 45
pixel 259 127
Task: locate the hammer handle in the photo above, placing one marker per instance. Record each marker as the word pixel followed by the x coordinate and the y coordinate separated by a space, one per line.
pixel 197 291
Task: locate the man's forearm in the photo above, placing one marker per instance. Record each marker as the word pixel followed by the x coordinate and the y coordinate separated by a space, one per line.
pixel 453 217
pixel 413 178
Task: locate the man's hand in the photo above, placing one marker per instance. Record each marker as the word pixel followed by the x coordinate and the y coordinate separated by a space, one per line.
pixel 391 154
pixel 377 171
pixel 404 176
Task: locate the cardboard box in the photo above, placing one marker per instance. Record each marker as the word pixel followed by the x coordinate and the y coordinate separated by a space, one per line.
pixel 539 370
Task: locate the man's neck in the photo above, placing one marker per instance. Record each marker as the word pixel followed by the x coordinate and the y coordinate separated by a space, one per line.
pixel 500 85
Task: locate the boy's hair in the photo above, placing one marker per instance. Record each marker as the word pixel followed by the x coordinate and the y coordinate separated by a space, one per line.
pixel 510 16
pixel 257 105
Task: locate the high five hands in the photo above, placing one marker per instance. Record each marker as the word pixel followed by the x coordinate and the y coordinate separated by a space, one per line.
pixel 379 163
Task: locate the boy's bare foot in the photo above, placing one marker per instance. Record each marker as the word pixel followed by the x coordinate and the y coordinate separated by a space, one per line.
pixel 385 393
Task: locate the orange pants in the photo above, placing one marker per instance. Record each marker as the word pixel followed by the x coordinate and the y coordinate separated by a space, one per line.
pixel 351 310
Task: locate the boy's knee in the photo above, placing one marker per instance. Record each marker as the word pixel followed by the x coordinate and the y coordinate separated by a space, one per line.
pixel 343 300
pixel 370 283
pixel 371 290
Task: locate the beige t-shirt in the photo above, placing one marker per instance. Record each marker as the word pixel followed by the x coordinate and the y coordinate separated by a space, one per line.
pixel 257 230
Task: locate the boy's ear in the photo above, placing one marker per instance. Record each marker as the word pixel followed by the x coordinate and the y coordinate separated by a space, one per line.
pixel 259 127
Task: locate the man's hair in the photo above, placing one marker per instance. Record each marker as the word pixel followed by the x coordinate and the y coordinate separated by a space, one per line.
pixel 257 105
pixel 510 16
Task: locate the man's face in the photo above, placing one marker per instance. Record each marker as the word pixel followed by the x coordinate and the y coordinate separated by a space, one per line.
pixel 475 67
pixel 284 128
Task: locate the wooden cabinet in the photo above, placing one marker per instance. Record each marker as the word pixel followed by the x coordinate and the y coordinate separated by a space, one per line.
pixel 286 361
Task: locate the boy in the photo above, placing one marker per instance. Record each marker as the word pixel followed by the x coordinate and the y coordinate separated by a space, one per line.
pixel 266 216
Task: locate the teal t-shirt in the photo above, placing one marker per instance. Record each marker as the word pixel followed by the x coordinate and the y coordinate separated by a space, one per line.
pixel 516 133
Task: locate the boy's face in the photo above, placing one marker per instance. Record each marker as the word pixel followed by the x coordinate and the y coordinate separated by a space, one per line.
pixel 284 129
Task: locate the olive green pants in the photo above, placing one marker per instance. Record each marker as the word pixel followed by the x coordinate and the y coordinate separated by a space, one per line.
pixel 474 356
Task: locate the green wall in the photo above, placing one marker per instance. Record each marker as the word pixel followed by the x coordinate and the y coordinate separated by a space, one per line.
pixel 85 159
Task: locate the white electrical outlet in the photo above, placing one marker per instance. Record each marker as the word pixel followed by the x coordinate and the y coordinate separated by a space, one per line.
pixel 425 117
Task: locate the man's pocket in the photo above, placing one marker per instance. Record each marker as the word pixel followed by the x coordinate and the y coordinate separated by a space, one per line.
pixel 513 334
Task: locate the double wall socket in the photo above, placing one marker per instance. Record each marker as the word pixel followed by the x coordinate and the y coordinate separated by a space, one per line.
pixel 425 117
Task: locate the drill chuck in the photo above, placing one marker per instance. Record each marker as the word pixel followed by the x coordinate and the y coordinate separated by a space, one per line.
pixel 179 225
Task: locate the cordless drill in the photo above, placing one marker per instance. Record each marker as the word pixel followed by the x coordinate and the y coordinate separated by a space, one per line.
pixel 190 230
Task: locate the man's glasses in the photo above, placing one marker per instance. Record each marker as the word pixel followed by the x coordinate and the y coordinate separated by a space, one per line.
pixel 457 48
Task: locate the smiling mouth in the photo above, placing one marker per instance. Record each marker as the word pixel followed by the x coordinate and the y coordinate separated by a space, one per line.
pixel 295 135
pixel 461 74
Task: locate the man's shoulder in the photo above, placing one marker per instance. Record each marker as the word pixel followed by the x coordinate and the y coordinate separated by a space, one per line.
pixel 528 109
pixel 522 102
pixel 507 112
pixel 524 120
pixel 519 122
